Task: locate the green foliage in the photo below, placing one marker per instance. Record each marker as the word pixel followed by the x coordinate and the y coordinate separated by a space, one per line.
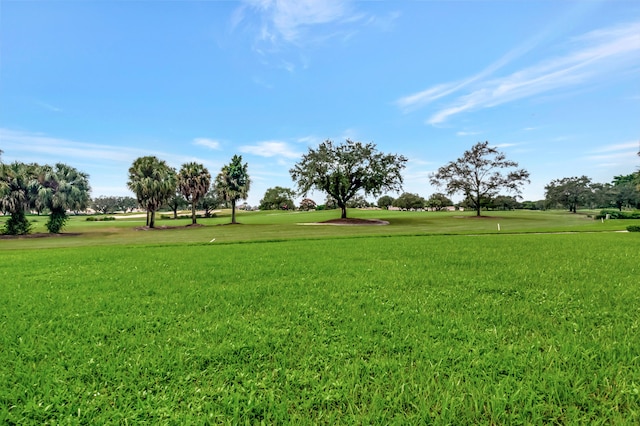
pixel 477 175
pixel 633 228
pixel 278 198
pixel 57 220
pixel 438 201
pixel 499 329
pixel 62 188
pixel 385 201
pixel 343 170
pixel 409 201
pixel 100 219
pixel 194 181
pixel 232 183
pixel 569 192
pixel 153 182
pixel 617 214
pixel 17 224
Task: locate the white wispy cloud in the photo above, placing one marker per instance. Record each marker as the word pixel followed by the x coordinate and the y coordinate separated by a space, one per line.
pixel 602 53
pixel 625 146
pixel 208 143
pixel 271 149
pixel 462 133
pixel 288 20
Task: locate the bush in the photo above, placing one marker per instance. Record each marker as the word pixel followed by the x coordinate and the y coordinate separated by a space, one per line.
pixel 100 219
pixel 617 214
pixel 633 228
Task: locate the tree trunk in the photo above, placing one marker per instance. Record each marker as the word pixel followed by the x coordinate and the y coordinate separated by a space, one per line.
pixel 193 213
pixel 147 218
pixel 344 212
pixel 233 211
pixel 152 219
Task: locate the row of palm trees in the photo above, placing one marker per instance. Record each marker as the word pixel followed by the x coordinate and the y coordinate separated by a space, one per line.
pixel 154 182
pixel 57 188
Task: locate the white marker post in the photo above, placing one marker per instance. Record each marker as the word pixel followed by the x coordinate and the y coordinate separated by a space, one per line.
pixel 498 227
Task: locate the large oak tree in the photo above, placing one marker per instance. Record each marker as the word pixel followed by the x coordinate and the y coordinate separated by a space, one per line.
pixel 344 170
pixel 478 175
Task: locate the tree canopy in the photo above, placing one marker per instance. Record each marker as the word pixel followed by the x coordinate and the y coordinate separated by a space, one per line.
pixel 17 194
pixel 153 182
pixel 343 170
pixel 438 201
pixel 409 201
pixel 570 192
pixel 194 181
pixel 278 198
pixel 233 183
pixel 62 188
pixel 477 175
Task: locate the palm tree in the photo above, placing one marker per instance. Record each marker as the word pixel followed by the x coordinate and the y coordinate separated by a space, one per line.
pixel 232 184
pixel 194 180
pixel 153 182
pixel 17 195
pixel 62 188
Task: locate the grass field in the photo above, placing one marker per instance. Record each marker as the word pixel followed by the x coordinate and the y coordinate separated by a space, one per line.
pixel 432 319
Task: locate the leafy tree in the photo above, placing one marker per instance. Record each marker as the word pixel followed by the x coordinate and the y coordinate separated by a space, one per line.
pixel 330 203
pixel 232 183
pixel 209 202
pixel 385 201
pixel 343 170
pixel 504 202
pixel 569 192
pixel 626 190
pixel 62 188
pixel 194 181
pixel 438 201
pixel 307 204
pixel 105 204
pixel 357 202
pixel 17 195
pixel 278 198
pixel 127 204
pixel 176 202
pixel 409 201
pixel 153 182
pixel 477 175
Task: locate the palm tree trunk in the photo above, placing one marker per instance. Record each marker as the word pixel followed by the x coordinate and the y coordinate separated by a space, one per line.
pixel 233 211
pixel 152 219
pixel 193 213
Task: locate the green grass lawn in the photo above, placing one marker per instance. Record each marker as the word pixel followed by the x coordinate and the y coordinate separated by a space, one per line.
pixel 431 319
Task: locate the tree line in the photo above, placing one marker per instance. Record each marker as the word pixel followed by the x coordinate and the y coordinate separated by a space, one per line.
pixel 346 173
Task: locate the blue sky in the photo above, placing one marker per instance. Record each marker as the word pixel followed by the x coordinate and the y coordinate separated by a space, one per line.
pixel 96 84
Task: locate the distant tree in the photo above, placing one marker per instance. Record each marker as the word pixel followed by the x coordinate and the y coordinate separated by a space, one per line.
pixel 477 175
pixel 194 181
pixel 569 192
pixel 626 190
pixel 127 204
pixel 153 182
pixel 438 201
pixel 343 170
pixel 232 183
pixel 330 203
pixel 62 188
pixel 504 202
pixel 409 201
pixel 307 204
pixel 385 201
pixel 105 204
pixel 357 202
pixel 209 202
pixel 17 195
pixel 278 198
pixel 177 202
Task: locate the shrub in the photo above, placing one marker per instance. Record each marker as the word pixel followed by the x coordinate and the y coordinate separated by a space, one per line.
pixel 633 228
pixel 617 214
pixel 100 219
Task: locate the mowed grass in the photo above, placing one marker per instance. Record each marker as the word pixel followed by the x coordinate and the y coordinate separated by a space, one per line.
pixel 343 328
pixel 280 226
